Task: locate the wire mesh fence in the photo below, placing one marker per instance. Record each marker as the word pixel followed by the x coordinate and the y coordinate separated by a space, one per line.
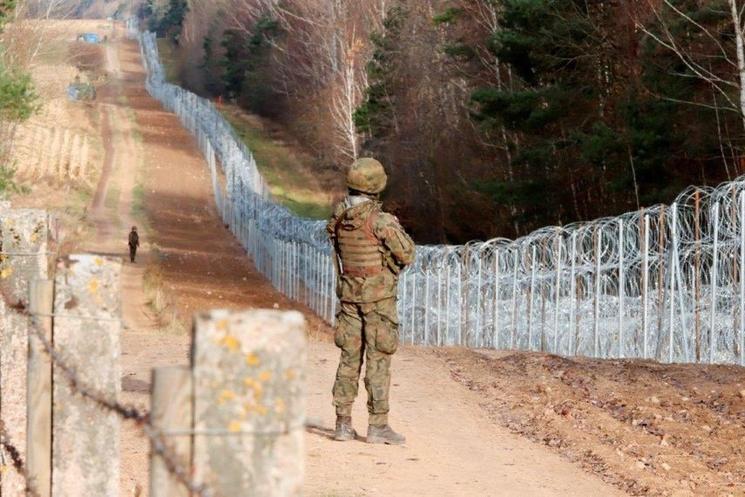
pixel 664 283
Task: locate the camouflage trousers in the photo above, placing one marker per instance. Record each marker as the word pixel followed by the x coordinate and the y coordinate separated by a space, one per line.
pixel 372 330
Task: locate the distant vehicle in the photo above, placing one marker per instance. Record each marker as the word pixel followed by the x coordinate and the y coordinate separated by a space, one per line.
pixel 89 38
pixel 81 92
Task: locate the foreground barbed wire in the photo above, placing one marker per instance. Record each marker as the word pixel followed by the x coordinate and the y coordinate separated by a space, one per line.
pixel 159 443
pixel 17 461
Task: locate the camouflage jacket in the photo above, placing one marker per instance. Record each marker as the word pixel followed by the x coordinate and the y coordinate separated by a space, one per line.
pixel 380 232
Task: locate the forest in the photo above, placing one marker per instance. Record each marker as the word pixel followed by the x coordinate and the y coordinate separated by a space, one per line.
pixel 492 117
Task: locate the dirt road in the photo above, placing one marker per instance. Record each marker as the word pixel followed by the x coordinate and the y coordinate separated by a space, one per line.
pixel 453 449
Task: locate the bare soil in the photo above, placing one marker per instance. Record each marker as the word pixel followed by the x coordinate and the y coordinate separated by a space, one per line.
pixel 649 428
pixel 478 423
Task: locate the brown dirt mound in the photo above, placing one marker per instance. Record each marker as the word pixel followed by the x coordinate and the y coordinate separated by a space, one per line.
pixel 649 428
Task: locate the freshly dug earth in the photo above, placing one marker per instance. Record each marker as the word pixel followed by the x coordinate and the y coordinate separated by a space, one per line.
pixel 650 429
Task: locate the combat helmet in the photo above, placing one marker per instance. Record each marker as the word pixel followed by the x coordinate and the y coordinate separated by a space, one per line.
pixel 367 176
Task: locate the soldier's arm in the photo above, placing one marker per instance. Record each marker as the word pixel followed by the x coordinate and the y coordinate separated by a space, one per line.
pixel 331 226
pixel 395 239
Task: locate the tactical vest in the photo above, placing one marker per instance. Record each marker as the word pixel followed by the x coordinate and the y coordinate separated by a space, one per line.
pixel 359 250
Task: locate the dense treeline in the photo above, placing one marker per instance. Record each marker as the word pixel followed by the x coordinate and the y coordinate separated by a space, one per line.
pixel 494 117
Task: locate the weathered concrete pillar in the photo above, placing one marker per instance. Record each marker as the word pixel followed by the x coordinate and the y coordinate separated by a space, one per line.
pixel 249 402
pixel 171 414
pixel 39 381
pixel 87 330
pixel 23 258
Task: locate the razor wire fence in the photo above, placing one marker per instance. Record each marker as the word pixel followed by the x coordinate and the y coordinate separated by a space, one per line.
pixel 664 283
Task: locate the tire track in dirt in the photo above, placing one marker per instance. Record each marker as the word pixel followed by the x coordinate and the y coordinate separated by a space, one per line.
pixel 102 187
pixel 111 213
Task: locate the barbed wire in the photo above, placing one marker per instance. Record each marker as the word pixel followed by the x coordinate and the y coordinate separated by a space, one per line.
pixel 17 461
pixel 141 418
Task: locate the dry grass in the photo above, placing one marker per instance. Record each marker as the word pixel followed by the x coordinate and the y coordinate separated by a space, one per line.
pixel 87 57
pixel 161 302
pixel 295 178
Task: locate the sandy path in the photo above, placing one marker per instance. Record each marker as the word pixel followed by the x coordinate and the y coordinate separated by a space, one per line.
pixel 111 212
pixel 453 450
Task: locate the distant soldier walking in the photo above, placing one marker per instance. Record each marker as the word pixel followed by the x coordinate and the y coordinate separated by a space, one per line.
pixel 371 250
pixel 134 243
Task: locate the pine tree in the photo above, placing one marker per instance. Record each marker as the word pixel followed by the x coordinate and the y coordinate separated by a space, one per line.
pixel 375 117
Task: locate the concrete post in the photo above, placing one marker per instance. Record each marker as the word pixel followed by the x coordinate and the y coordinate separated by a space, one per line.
pixel 171 414
pixel 249 402
pixel 39 417
pixel 23 258
pixel 87 329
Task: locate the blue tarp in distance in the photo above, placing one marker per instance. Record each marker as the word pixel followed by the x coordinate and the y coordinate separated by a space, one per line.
pixel 90 38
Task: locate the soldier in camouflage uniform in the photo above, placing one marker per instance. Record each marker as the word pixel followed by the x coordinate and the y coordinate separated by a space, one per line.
pixel 372 249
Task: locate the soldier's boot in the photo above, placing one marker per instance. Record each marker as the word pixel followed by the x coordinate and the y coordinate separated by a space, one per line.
pixel 344 431
pixel 384 435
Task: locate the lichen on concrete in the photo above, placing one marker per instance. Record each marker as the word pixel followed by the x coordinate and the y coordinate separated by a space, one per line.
pixel 23 259
pixel 87 329
pixel 249 402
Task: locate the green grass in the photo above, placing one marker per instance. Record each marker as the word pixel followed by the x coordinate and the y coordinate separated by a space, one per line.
pixel 307 209
pixel 53 51
pixel 168 57
pixel 287 175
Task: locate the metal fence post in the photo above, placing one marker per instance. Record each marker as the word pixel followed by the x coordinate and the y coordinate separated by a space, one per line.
pixel 742 278
pixel 426 307
pixel 673 257
pixel 447 304
pixel 557 291
pixel 715 264
pixel 645 290
pixel 598 276
pixel 621 292
pixel 439 305
pixel 513 335
pixel 413 305
pixel 495 339
pixel 403 301
pixel 478 303
pixel 572 293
